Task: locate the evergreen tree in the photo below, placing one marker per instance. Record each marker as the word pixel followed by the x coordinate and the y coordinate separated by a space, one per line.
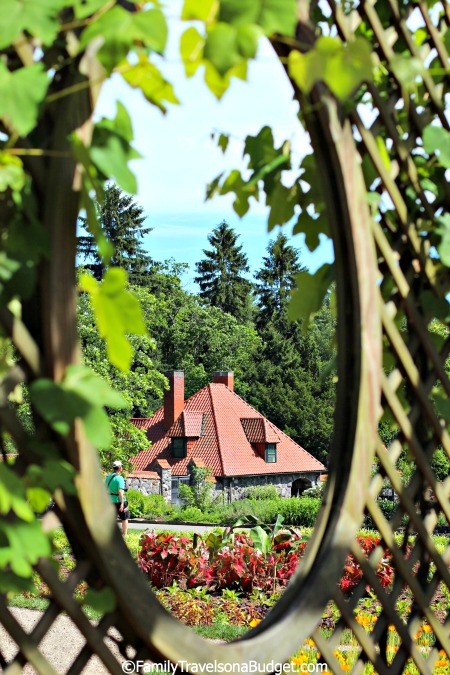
pixel 291 381
pixel 122 221
pixel 220 274
pixel 276 279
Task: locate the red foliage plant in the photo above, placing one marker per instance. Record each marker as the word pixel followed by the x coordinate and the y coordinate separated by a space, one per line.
pixel 238 565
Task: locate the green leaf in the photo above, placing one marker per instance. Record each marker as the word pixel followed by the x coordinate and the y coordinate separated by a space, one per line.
pixel 261 540
pixel 282 201
pixel 191 50
pixel 85 8
pixel 248 40
pixel 81 395
pixel 406 70
pixel 235 183
pixel 103 601
pixel 94 389
pixel 37 17
pixel 443 231
pixel 217 83
pixel 50 475
pixel 117 314
pixel 59 474
pixel 111 150
pixel 311 228
pixel 12 174
pixel 21 93
pixel 146 77
pixel 56 406
pixel 200 10
pixel 221 48
pixel 97 426
pixel 308 296
pixel 274 16
pixel 121 29
pixel 12 495
pixel 38 498
pixel 8 267
pixel 260 149
pixel 437 140
pixel 223 141
pixel 343 67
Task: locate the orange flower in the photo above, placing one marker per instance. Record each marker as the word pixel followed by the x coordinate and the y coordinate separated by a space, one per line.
pixel 311 643
pixel 345 667
pixel 426 628
pixel 298 660
pixel 441 663
pixel 391 628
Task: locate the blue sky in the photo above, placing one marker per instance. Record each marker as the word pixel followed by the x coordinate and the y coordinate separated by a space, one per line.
pixel 179 157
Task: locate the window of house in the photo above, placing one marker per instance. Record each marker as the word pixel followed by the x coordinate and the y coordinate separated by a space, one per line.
pixel 271 453
pixel 178 447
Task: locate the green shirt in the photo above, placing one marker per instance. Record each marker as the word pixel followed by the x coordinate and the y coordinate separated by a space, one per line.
pixel 114 483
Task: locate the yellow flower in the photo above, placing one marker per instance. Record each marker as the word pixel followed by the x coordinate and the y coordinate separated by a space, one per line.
pixel 254 622
pixel 345 667
pixel 298 660
pixel 426 628
pixel 311 643
pixel 391 628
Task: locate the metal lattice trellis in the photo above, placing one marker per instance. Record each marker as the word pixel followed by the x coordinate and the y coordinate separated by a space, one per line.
pixel 386 280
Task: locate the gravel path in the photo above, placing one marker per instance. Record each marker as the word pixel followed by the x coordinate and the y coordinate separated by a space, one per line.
pixel 60 646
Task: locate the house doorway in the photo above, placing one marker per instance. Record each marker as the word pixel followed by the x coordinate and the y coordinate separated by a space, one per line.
pixel 299 486
pixel 176 482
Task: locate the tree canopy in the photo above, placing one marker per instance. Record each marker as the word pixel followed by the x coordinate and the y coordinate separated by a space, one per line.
pixel 121 220
pixel 221 274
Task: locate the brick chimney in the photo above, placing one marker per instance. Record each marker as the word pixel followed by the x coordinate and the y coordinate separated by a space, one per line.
pixel 224 377
pixel 173 397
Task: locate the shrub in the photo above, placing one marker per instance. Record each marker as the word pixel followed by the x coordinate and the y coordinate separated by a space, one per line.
pixel 296 511
pixel 300 511
pixel 156 506
pixel 191 514
pixel 147 506
pixel 136 503
pixel 261 492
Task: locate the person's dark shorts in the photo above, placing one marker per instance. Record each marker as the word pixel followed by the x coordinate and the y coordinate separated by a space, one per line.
pixel 125 514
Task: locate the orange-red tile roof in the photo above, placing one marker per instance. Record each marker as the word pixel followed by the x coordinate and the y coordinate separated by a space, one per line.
pixel 143 474
pixel 188 425
pixel 223 444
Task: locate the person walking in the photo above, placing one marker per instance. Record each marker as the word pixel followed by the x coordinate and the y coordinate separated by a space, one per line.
pixel 115 483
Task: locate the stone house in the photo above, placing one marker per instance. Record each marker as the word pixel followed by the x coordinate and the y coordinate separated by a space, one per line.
pixel 216 428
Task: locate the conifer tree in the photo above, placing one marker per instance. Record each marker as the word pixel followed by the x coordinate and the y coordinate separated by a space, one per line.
pixel 122 221
pixel 220 273
pixel 276 279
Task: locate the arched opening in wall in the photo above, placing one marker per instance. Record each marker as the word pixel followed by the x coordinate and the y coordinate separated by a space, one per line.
pixel 299 486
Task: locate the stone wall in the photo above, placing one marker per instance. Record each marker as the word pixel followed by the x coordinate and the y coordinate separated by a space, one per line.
pixel 232 488
pixel 147 486
pixel 235 488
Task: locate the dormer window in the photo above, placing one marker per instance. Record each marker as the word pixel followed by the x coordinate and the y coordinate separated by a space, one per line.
pixel 179 447
pixel 271 453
